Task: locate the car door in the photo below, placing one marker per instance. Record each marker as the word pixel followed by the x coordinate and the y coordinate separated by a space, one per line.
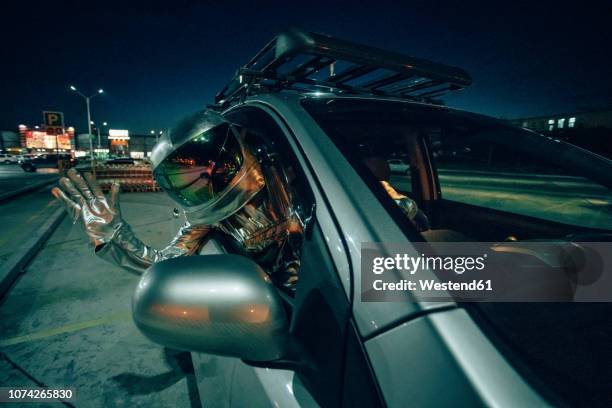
pixel 228 381
pixel 508 182
pixel 319 310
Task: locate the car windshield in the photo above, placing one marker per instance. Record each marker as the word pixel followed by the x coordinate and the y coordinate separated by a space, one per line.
pixel 479 161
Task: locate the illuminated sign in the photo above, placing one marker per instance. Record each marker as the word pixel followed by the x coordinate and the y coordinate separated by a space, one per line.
pixel 118 134
pixel 41 140
pixel 54 122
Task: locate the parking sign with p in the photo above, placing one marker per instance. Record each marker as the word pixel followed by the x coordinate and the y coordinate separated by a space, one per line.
pixel 54 122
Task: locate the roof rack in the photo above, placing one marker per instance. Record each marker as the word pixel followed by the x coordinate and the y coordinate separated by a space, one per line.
pixel 306 61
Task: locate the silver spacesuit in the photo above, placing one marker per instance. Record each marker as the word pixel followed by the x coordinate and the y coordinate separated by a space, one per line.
pixel 224 184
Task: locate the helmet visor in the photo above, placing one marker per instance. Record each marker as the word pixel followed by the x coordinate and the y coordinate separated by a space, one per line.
pixel 200 169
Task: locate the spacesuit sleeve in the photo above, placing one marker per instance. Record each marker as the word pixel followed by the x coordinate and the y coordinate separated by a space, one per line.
pixel 127 251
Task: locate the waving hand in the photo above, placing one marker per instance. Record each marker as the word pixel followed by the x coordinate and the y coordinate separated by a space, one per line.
pixel 83 197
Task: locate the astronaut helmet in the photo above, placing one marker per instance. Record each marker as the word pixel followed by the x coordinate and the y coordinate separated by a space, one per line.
pixel 205 166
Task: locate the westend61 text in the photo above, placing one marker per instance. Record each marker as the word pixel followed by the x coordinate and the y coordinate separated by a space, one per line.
pixel 433 285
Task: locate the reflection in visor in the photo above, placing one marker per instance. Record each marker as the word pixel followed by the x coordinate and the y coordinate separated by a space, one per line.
pixel 200 169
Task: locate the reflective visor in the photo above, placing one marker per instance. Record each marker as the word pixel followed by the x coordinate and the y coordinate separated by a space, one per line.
pixel 200 169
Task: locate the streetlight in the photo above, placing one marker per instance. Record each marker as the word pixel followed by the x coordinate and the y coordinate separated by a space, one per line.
pixel 99 137
pixel 161 132
pixel 87 98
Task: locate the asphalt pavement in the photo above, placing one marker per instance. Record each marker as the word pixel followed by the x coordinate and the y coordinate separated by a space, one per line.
pixel 67 321
pixel 21 217
pixel 12 177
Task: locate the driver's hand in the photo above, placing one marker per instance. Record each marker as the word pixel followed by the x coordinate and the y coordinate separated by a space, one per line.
pixel 83 197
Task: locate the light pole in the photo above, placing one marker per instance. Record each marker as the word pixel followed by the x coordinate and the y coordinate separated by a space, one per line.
pixel 87 99
pixel 161 132
pixel 157 136
pixel 99 137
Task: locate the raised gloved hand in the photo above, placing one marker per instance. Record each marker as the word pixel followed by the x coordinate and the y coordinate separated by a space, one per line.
pixel 83 197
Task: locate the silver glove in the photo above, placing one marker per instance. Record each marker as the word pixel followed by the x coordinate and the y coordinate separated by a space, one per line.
pixel 84 198
pixel 111 236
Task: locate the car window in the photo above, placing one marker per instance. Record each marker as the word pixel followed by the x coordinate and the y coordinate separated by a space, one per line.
pixel 376 139
pixel 475 168
pixel 400 174
pixel 261 125
pixel 479 161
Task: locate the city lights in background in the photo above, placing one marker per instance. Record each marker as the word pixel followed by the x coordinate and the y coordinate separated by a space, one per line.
pixel 157 135
pixel 74 88
pixel 118 134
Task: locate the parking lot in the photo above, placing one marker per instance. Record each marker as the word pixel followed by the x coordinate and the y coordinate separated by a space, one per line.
pixel 12 177
pixel 66 322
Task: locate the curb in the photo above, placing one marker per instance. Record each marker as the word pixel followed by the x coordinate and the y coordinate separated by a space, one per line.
pixel 16 263
pixel 26 189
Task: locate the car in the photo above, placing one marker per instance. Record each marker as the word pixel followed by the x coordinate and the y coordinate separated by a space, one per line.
pixel 25 157
pixel 47 161
pixel 398 166
pixel 328 347
pixel 8 158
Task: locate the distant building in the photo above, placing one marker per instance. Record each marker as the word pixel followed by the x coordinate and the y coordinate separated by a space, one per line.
pixel 589 130
pixel 10 141
pixel 549 123
pixel 133 145
pixel 35 140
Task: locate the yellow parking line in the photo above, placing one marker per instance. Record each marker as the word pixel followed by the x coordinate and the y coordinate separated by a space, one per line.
pixel 115 318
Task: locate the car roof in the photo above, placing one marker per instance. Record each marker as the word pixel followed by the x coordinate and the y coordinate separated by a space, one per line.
pixel 293 98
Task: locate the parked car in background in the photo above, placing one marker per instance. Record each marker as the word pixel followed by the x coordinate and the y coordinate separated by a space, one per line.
pixel 7 158
pixel 24 157
pixel 398 166
pixel 47 161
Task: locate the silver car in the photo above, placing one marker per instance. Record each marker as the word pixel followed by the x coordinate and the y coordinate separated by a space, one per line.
pixel 475 178
pixel 8 158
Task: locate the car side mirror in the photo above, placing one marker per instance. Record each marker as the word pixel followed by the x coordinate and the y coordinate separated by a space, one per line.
pixel 218 304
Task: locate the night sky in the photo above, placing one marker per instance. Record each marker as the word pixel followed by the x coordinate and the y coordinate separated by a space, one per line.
pixel 159 62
